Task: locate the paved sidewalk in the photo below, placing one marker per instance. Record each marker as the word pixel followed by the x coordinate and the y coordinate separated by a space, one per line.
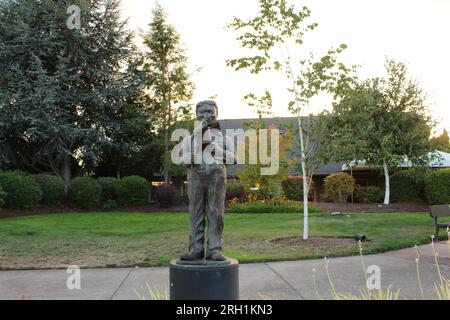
pixel 277 280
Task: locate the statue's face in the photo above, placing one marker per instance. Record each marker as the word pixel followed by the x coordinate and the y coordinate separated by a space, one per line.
pixel 208 114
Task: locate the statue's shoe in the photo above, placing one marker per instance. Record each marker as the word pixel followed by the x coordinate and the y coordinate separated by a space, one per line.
pixel 216 256
pixel 193 256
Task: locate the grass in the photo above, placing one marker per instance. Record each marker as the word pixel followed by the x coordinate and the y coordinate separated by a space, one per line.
pixel 153 239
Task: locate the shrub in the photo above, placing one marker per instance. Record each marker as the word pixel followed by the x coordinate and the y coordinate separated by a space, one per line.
pixel 293 188
pixel 369 194
pixel 132 190
pixel 408 185
pixel 85 193
pixel 109 190
pixel 437 187
pixel 52 188
pixel 235 191
pixel 165 195
pixel 23 192
pixel 338 187
pixel 271 206
pixel 181 201
pixel 2 197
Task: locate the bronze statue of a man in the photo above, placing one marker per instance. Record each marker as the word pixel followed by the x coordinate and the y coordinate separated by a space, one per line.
pixel 207 180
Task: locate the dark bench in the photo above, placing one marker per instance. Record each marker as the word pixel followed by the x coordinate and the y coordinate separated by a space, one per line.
pixel 440 211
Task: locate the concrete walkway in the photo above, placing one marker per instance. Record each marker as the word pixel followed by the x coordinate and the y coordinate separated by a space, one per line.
pixel 277 280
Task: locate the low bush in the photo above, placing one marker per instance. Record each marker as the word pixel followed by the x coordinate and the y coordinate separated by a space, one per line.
pixel 408 185
pixel 293 188
pixel 338 187
pixel 437 188
pixel 181 201
pixel 85 193
pixel 235 191
pixel 370 194
pixel 165 195
pixel 52 188
pixel 132 190
pixel 271 206
pixel 109 190
pixel 22 190
pixel 2 197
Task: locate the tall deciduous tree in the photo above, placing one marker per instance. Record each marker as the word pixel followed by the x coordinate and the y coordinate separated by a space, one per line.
pixel 63 91
pixel 166 68
pixel 383 122
pixel 280 27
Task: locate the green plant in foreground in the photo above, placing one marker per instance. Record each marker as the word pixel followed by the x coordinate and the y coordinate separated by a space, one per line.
pixel 365 294
pixel 153 294
pixel 442 288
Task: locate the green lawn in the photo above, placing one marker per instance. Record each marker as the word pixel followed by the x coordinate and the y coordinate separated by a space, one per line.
pixel 140 239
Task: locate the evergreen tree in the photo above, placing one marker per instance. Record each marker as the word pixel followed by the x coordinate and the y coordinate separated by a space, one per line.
pixel 166 69
pixel 63 92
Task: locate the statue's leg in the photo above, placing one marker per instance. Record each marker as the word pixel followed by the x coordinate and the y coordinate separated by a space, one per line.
pixel 216 206
pixel 196 192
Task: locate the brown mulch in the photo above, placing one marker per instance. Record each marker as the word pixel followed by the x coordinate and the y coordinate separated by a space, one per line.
pixel 374 207
pixel 317 242
pixel 149 208
pixel 154 207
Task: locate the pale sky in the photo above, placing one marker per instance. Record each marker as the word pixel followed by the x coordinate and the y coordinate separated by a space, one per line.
pixel 415 32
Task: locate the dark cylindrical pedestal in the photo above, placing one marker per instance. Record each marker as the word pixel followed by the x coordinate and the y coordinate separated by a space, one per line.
pixel 204 280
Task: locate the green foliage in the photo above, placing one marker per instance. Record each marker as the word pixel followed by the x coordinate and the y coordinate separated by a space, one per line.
pixel 382 121
pixel 3 195
pixel 109 190
pixel 409 185
pixel 52 187
pixel 132 190
pixel 165 66
pixel 235 190
pixel 85 193
pixel 270 206
pixel 370 194
pixel 63 92
pixel 338 187
pixel 442 142
pixel 22 190
pixel 437 189
pixel 293 188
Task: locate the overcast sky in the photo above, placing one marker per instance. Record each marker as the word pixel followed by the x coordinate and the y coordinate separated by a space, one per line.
pixel 413 31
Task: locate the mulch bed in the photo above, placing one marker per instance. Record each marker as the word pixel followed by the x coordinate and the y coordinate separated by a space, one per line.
pixel 374 207
pixel 149 208
pixel 318 242
pixel 154 207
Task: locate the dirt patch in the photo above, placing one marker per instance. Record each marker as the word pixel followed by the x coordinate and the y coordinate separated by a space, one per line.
pixel 374 207
pixel 318 242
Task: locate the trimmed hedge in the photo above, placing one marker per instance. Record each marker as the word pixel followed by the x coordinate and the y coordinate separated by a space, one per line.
pixel 271 206
pixel 293 188
pixel 52 188
pixel 2 197
pixel 165 195
pixel 85 193
pixel 23 192
pixel 370 194
pixel 408 185
pixel 110 195
pixel 437 187
pixel 338 187
pixel 132 190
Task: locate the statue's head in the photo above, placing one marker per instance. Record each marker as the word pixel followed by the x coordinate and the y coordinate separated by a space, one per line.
pixel 207 111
